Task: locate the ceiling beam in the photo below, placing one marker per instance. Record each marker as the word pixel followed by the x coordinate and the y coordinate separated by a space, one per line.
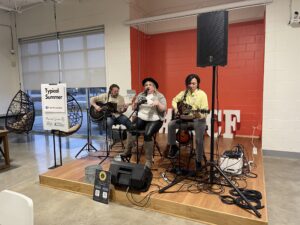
pixel 7 8
pixel 229 6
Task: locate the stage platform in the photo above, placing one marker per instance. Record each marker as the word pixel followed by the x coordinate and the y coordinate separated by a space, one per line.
pixel 184 199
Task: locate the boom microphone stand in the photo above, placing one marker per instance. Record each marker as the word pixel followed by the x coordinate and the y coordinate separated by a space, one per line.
pixel 134 129
pixel 88 146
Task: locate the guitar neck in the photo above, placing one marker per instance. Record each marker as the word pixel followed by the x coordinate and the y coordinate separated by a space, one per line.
pixel 202 111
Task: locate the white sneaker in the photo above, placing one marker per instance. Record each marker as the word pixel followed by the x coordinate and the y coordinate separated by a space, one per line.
pixel 118 158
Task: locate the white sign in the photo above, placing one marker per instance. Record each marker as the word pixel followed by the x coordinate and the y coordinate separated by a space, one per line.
pixel 54 97
pixel 54 107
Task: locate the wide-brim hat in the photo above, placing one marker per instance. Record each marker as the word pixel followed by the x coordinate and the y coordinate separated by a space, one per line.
pixel 151 80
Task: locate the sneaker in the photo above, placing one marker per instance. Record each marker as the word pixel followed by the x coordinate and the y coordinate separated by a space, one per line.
pixel 125 157
pixel 174 150
pixel 148 164
pixel 118 158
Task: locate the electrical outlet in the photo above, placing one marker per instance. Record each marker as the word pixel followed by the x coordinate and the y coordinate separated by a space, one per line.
pixel 254 150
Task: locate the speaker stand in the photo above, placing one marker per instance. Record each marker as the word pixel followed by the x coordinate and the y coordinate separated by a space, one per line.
pixel 212 163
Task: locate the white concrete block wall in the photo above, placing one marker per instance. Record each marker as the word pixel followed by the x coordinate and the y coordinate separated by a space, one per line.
pixel 9 78
pixel 281 102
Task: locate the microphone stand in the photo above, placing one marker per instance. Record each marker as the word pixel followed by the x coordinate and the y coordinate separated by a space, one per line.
pixel 136 133
pixel 106 137
pixel 135 130
pixel 88 146
pixel 106 141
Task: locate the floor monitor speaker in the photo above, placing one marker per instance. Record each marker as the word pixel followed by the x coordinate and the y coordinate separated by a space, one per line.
pixel 136 176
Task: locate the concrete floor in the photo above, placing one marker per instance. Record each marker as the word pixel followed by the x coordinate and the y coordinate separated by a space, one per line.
pixel 33 155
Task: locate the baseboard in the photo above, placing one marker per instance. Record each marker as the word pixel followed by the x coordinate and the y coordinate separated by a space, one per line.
pixel 247 136
pixel 281 154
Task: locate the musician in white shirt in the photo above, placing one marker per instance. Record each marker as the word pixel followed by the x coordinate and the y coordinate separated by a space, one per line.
pixel 151 107
pixel 116 117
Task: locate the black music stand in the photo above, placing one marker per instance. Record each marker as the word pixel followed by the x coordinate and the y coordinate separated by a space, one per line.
pixel 88 146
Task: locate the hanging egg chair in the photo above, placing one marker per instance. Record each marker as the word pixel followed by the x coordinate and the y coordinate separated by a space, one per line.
pixel 20 114
pixel 75 116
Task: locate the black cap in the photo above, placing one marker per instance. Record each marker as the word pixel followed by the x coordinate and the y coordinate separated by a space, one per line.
pixel 151 80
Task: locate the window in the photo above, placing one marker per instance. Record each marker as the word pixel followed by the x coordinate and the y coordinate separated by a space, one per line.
pixel 76 58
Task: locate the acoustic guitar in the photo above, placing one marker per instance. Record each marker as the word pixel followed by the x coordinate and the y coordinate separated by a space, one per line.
pixel 106 110
pixel 185 112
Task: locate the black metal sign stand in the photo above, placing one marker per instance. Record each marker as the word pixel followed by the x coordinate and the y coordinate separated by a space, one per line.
pixel 54 149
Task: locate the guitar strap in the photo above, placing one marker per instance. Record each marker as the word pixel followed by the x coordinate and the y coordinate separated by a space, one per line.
pixel 108 94
pixel 184 96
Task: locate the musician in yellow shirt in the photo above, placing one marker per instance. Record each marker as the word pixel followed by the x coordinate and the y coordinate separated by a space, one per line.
pixel 189 117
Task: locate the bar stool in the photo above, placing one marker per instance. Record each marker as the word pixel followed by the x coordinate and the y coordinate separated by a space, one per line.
pixel 184 138
pixel 155 145
pixel 140 148
pixel 121 129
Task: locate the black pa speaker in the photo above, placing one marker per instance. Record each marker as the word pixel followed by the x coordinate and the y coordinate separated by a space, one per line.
pixel 212 38
pixel 136 176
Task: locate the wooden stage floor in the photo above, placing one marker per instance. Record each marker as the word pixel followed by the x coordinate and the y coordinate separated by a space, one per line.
pixel 188 199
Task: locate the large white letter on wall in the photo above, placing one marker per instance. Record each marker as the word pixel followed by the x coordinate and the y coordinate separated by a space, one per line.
pixel 208 118
pixel 231 118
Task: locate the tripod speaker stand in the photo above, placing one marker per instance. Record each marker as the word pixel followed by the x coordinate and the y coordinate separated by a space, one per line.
pixel 212 45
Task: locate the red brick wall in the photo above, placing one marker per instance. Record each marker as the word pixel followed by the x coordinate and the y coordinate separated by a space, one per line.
pixel 169 57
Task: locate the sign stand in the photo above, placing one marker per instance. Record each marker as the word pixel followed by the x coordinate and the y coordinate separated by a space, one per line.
pixel 54 149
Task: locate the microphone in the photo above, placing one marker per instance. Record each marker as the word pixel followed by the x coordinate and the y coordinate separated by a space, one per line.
pixel 142 101
pixel 146 91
